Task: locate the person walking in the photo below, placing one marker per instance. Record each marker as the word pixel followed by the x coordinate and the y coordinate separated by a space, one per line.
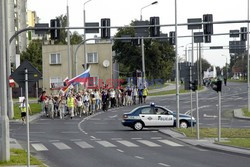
pixel 140 95
pixel 51 107
pixel 135 94
pixel 42 100
pixel 86 102
pixel 79 106
pixel 145 94
pixel 71 105
pixel 98 99
pixel 23 110
pixel 62 106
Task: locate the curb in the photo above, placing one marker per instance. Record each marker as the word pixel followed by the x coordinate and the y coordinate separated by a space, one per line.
pixel 238 114
pixel 209 147
pixel 32 118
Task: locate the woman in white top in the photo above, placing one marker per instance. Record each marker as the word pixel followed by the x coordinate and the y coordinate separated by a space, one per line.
pixel 79 106
pixel 98 99
pixel 62 106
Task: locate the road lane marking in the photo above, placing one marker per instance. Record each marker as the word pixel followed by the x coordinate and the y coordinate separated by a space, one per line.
pixel 156 138
pixel 120 150
pixel 93 137
pixel 162 164
pixel 54 141
pixel 83 144
pixel 61 146
pixel 139 157
pixel 39 147
pixel 168 142
pixel 136 138
pixel 148 143
pixel 106 144
pixel 127 143
pixel 113 116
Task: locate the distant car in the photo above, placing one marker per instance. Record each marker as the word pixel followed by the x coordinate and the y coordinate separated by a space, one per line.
pixel 154 116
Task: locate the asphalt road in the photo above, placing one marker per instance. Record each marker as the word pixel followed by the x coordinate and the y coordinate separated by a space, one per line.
pixel 101 141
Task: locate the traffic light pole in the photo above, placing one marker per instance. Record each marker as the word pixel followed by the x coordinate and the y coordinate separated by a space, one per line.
pixel 197 116
pixel 143 60
pixel 219 116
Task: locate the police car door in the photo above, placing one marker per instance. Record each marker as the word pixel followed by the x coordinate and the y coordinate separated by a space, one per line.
pixel 164 118
pixel 148 116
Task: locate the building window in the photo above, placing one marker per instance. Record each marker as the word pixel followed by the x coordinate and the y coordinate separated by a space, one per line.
pixel 56 82
pixel 92 57
pixel 55 58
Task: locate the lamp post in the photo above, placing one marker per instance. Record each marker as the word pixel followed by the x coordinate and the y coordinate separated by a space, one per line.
pixel 84 21
pixel 153 3
pixel 248 72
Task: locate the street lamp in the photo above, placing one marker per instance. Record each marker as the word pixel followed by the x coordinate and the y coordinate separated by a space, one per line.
pixel 84 21
pixel 153 3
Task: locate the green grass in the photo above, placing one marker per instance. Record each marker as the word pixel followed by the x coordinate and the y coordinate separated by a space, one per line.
pixel 238 80
pixel 19 157
pixel 245 112
pixel 238 142
pixel 170 92
pixel 35 108
pixel 235 137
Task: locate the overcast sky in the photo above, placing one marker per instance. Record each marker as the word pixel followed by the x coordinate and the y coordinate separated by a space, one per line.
pixel 121 12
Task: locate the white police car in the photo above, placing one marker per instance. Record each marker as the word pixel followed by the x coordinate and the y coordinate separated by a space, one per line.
pixel 154 116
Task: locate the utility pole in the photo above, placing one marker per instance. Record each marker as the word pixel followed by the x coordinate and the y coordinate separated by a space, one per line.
pixel 143 60
pixel 5 143
pixel 248 59
pixel 68 41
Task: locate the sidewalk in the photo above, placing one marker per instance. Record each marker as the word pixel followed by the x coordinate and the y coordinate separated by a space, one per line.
pixel 238 113
pixel 206 143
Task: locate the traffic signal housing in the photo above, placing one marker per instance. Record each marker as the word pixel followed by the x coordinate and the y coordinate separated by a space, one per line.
pixel 55 33
pixel 243 33
pixel 217 85
pixel 208 27
pixel 155 31
pixel 105 32
pixel 193 85
pixel 172 38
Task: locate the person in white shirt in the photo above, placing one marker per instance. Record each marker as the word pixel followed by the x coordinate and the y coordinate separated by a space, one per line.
pixel 135 94
pixel 112 96
pixel 98 99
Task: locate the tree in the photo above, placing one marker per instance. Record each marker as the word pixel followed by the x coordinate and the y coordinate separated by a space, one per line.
pixel 33 54
pixel 75 38
pixel 159 56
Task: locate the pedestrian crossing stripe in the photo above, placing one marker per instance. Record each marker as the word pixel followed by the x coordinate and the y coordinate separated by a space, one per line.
pixel 107 144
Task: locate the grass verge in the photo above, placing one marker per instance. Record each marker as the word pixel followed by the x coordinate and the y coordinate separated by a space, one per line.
pixel 35 108
pixel 245 112
pixel 19 157
pixel 170 92
pixel 235 136
pixel 238 80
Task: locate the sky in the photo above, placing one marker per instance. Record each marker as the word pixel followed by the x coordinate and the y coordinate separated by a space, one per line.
pixel 122 12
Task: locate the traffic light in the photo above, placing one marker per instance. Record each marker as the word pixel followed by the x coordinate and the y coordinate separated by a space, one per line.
pixel 105 32
pixel 193 85
pixel 55 33
pixel 217 85
pixel 243 35
pixel 172 38
pixel 208 28
pixel 155 31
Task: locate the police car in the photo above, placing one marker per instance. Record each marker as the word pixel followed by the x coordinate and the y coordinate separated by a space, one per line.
pixel 154 116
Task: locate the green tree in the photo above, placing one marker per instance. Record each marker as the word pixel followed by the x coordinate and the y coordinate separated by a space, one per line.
pixel 75 38
pixel 159 56
pixel 33 54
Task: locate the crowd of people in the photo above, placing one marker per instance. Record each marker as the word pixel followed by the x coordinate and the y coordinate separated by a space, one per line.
pixel 87 102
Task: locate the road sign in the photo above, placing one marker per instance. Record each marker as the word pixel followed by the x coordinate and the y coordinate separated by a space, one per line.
pixel 92 30
pixel 234 33
pixel 195 26
pixel 41 31
pixel 141 31
pixel 237 47
pixel 216 47
pixel 19 74
pixel 198 37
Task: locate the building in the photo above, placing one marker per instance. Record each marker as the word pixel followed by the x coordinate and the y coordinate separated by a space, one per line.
pixel 55 63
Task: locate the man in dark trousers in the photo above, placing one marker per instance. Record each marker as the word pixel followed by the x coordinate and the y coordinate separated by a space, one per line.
pixel 225 81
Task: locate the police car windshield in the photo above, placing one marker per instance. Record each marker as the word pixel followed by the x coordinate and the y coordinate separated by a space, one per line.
pixel 134 110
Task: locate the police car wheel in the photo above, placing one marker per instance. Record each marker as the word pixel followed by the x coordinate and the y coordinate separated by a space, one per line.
pixel 183 124
pixel 138 126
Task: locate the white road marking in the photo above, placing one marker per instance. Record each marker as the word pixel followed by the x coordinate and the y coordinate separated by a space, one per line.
pixel 120 150
pixel 113 116
pixel 168 142
pixel 35 141
pixel 156 138
pixel 139 157
pixel 39 147
pixel 93 137
pixel 61 146
pixel 106 143
pixel 148 143
pixel 162 164
pixel 127 143
pixel 209 116
pixel 54 141
pixel 83 144
pixel 95 119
